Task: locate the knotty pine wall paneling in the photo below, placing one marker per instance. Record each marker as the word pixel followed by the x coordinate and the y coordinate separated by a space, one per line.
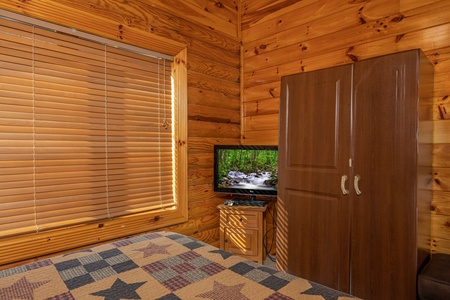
pixel 209 31
pixel 285 37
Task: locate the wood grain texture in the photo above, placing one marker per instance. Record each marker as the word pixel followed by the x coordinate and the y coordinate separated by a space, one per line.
pixel 206 144
pixel 208 13
pixel 441 203
pixel 441 134
pixel 441 155
pixel 214 69
pixel 215 99
pixel 256 137
pixel 255 12
pixel 367 38
pixel 303 36
pixel 263 106
pixel 441 230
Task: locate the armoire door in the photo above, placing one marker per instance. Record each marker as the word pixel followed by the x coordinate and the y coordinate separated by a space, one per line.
pixel 385 148
pixel 313 212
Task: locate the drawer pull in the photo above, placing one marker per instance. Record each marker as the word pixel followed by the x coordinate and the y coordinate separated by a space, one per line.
pixel 240 219
pixel 226 240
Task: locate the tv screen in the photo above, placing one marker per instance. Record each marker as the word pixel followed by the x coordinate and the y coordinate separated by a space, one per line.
pixel 246 170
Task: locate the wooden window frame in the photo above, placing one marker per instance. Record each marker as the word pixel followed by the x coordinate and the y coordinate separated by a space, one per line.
pixel 34 245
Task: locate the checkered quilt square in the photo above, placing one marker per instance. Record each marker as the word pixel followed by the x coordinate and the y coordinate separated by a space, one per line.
pixel 181 270
pixel 25 268
pixel 263 275
pixel 97 266
pixel 137 239
pixel 186 241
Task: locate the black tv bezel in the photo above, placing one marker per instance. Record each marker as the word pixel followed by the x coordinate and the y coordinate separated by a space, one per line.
pixel 235 191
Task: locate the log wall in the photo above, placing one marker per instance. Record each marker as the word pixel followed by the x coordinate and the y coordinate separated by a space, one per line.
pixel 285 37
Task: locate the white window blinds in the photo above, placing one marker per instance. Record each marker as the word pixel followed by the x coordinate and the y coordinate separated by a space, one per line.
pixel 85 130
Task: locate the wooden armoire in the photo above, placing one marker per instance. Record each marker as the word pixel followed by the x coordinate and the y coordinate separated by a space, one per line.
pixel 354 190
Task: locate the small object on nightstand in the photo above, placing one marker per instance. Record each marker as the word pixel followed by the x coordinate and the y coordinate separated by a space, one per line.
pixel 245 203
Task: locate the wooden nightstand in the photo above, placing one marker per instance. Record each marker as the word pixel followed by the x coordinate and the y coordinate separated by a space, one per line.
pixel 242 230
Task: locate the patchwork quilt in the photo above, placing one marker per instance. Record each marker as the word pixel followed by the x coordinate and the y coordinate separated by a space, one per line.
pixel 161 265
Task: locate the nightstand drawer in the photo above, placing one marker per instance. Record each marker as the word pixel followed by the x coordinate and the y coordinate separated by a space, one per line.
pixel 242 220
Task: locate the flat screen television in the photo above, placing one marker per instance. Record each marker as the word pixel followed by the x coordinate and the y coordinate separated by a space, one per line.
pixel 246 170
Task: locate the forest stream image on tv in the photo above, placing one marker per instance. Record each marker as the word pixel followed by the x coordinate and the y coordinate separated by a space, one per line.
pixel 247 169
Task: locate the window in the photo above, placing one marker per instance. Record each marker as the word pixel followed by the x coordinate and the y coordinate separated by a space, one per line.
pixel 89 131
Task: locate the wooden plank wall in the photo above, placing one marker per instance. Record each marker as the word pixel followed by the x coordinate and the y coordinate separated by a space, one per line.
pixel 210 31
pixel 284 36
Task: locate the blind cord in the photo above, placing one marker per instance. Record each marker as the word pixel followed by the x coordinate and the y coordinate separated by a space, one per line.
pixel 165 123
pixel 108 210
pixel 159 135
pixel 34 129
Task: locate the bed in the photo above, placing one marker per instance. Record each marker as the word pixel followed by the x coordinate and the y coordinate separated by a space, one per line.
pixel 161 265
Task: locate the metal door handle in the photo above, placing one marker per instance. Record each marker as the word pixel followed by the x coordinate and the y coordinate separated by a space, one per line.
pixel 343 181
pixel 356 185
